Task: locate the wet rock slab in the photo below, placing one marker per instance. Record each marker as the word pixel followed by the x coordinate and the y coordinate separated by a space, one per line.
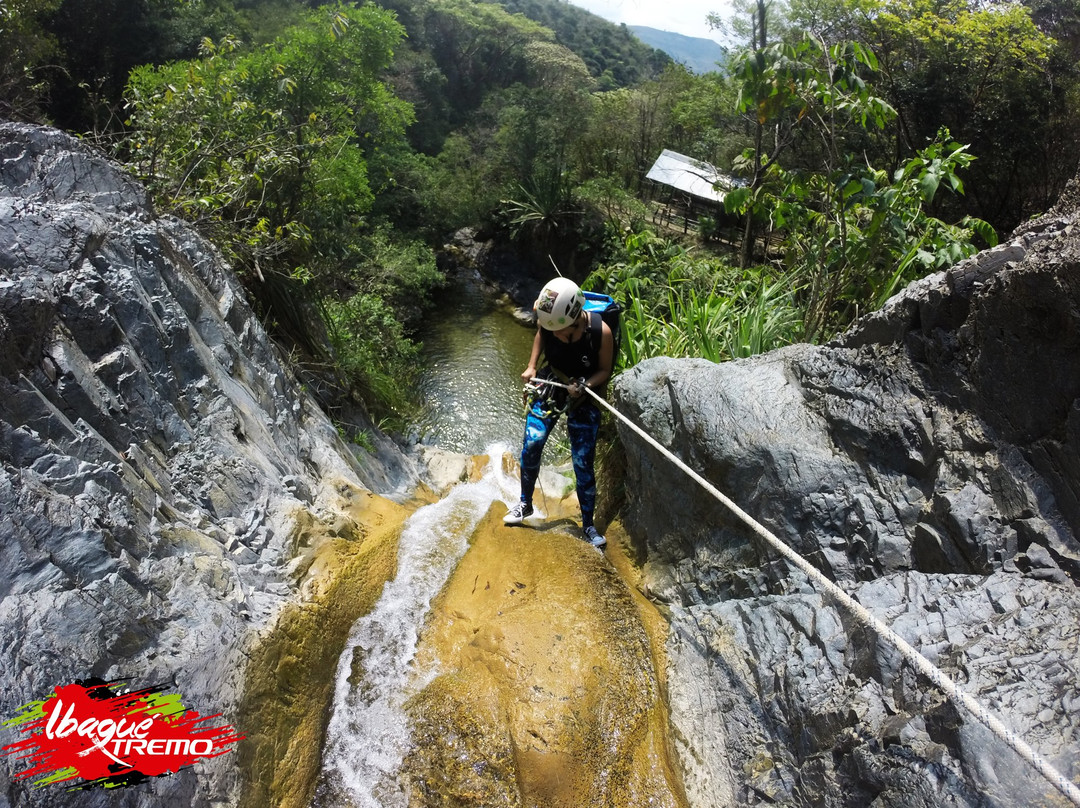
pixel 546 692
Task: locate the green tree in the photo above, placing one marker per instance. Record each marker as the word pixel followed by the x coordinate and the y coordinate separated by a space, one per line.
pixel 28 48
pixel 537 130
pixel 626 130
pixel 766 78
pixel 272 144
pixel 752 21
pixel 544 114
pixel 479 47
pixel 270 151
pixel 703 121
pixel 475 74
pixel 850 233
pixel 984 71
pixel 1059 19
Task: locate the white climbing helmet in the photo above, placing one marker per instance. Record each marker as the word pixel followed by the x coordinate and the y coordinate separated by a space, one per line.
pixel 559 304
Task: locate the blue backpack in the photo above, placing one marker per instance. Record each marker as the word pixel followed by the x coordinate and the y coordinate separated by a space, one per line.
pixel 610 312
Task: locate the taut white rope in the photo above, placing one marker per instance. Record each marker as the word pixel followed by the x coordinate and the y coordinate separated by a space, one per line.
pixel 921 663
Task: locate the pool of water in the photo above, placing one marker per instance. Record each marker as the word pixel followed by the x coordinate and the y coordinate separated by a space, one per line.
pixel 473 356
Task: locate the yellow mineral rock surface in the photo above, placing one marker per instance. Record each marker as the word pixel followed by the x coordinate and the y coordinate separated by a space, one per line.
pixel 545 689
pixel 537 662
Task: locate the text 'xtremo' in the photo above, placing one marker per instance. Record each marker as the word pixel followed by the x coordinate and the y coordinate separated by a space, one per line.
pixel 126 738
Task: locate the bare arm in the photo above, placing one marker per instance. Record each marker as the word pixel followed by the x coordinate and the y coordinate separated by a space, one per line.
pixel 534 358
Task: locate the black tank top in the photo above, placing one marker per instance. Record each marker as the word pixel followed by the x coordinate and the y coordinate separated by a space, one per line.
pixel 578 358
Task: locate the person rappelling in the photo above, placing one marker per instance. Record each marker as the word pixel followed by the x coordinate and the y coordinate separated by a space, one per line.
pixel 578 349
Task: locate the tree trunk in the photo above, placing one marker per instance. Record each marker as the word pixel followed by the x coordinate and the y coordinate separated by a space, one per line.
pixel 760 37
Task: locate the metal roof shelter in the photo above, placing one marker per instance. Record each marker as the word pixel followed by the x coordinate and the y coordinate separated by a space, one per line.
pixel 694 189
pixel 694 177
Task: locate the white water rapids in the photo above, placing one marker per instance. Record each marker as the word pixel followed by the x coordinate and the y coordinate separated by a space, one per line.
pixel 368 735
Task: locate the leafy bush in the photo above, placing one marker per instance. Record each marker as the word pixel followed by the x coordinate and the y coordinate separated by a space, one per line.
pixel 676 304
pixel 372 351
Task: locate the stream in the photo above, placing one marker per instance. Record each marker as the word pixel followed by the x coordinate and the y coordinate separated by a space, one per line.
pixel 472 392
pixel 473 357
pixel 501 666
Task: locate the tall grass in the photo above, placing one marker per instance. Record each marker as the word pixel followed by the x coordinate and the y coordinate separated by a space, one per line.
pixel 676 304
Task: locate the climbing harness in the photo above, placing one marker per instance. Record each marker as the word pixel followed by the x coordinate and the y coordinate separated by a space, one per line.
pixel 533 393
pixel 921 663
pixel 552 405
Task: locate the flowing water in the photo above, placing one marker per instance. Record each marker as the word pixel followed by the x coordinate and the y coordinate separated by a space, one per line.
pixel 368 736
pixel 473 357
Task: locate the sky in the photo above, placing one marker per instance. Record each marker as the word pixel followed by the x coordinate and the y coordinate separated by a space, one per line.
pixel 685 17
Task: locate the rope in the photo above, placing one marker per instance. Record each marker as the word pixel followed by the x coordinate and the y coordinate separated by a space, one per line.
pixel 921 663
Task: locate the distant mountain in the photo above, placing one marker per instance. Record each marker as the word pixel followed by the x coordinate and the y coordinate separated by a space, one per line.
pixel 699 54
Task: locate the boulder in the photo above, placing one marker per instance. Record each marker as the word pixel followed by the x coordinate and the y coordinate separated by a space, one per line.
pixel 928 462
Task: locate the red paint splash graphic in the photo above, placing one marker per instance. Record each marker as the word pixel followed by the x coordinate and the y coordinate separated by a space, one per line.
pixel 97 732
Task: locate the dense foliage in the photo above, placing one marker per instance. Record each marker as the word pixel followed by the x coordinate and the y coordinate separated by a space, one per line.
pixel 271 150
pixel 679 303
pixel 614 56
pixel 850 232
pixel 330 150
pixel 987 73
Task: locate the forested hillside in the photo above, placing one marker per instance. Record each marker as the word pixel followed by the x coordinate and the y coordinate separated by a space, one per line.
pixel 614 56
pixel 330 151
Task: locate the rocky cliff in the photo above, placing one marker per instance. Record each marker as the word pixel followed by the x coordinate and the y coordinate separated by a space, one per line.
pixel 928 461
pixel 169 496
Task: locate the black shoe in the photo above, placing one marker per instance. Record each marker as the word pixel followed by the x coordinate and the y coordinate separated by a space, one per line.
pixel 518 514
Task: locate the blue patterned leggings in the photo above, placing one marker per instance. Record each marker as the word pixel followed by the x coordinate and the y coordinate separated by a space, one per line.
pixel 582 425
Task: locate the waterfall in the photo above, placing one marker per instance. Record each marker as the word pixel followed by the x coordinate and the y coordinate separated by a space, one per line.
pixel 368 735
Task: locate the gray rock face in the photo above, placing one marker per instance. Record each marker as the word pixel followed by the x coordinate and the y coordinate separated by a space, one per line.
pixel 928 461
pixel 154 454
